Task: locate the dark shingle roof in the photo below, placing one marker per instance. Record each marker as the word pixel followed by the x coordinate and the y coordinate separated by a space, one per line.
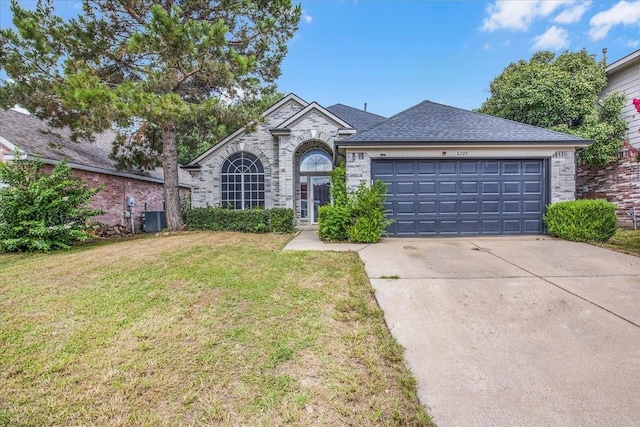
pixel 359 119
pixel 37 139
pixel 431 122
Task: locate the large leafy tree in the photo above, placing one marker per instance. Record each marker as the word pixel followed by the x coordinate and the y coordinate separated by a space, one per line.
pixel 561 92
pixel 144 68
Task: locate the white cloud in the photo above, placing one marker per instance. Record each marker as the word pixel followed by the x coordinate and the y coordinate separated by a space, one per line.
pixel 571 15
pixel 308 18
pixel 486 46
pixel 632 44
pixel 519 14
pixel 555 38
pixel 623 12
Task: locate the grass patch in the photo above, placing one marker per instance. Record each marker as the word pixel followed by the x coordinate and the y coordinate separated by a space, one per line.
pixel 627 241
pixel 197 329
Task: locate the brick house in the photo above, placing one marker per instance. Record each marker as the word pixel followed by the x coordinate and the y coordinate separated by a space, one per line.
pixel 90 161
pixel 448 171
pixel 619 182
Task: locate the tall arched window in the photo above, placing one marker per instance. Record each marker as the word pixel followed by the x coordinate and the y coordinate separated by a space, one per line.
pixel 242 182
pixel 315 160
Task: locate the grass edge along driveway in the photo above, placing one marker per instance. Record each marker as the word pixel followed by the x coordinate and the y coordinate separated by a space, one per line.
pixel 197 328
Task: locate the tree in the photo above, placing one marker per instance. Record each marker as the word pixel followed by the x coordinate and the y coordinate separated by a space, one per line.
pixel 144 68
pixel 561 93
pixel 42 212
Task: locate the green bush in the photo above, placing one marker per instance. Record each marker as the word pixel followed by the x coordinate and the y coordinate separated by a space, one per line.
pixel 582 220
pixel 282 220
pixel 359 219
pixel 338 187
pixel 367 209
pixel 333 222
pixel 43 212
pixel 247 221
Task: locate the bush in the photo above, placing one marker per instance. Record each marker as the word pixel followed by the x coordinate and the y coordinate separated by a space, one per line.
pixel 367 209
pixel 333 222
pixel 40 212
pixel 257 220
pixel 358 217
pixel 582 220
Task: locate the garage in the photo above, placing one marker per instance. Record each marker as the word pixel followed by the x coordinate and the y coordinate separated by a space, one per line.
pixel 433 197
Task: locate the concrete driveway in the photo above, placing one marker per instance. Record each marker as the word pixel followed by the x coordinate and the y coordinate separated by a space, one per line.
pixel 514 331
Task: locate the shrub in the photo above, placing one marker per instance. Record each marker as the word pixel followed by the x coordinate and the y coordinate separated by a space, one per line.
pixel 360 219
pixel 338 187
pixel 43 212
pixel 367 209
pixel 247 221
pixel 333 222
pixel 282 220
pixel 582 220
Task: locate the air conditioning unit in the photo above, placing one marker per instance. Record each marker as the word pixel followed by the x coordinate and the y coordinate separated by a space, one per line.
pixel 153 221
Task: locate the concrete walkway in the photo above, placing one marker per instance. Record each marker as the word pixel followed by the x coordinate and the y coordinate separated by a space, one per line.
pixel 511 331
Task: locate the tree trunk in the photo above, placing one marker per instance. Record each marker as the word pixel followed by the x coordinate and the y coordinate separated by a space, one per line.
pixel 173 210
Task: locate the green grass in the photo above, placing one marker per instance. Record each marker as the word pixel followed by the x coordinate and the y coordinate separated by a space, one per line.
pixel 197 329
pixel 627 241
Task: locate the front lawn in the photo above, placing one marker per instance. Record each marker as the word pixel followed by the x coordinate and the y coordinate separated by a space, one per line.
pixel 627 241
pixel 197 329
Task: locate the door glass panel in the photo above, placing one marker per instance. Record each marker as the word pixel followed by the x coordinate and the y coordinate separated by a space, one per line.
pixel 320 193
pixel 304 196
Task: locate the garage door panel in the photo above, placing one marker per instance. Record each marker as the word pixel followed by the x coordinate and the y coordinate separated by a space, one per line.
pixel 511 187
pixel 405 169
pixel 448 188
pixel 464 197
pixel 383 169
pixel 491 187
pixel 406 188
pixel 469 187
pixel 448 207
pixel 427 207
pixel 406 208
pixel 427 168
pixel 532 187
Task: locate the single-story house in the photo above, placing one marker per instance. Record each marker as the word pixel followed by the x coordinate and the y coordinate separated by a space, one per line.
pixel 619 182
pixel 448 171
pixel 34 139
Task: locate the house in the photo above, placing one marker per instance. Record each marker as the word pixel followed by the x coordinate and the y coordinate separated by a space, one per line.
pixel 90 161
pixel 448 171
pixel 619 182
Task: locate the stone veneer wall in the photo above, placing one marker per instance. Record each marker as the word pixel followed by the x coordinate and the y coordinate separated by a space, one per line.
pixel 563 176
pixel 619 183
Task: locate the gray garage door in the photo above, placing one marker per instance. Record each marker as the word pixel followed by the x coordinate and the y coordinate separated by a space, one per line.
pixel 464 197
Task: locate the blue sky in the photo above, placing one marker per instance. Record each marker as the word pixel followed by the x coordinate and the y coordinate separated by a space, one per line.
pixel 394 54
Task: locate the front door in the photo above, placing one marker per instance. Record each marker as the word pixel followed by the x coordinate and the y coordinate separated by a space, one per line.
pixel 314 192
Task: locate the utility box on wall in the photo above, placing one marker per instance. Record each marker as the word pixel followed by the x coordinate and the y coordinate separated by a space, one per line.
pixel 153 221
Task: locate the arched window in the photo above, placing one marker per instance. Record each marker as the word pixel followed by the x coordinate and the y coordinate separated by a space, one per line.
pixel 315 160
pixel 242 182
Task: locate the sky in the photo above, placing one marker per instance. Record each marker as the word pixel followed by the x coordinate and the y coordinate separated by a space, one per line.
pixel 392 55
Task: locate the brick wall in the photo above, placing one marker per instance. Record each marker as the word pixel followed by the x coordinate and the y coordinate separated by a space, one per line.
pixel 112 199
pixel 618 183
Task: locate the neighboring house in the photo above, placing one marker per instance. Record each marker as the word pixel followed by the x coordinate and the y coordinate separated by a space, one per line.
pixel 33 139
pixel 619 182
pixel 448 171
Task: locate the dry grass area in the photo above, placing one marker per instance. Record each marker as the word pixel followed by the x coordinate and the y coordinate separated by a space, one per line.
pixel 627 241
pixel 197 329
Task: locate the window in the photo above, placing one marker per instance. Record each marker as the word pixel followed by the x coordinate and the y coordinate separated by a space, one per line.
pixel 315 161
pixel 242 182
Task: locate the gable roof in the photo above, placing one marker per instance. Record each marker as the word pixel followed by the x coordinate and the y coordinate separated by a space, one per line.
pixel 314 106
pixel 358 119
pixel 194 164
pixel 35 139
pixel 633 57
pixel 429 122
